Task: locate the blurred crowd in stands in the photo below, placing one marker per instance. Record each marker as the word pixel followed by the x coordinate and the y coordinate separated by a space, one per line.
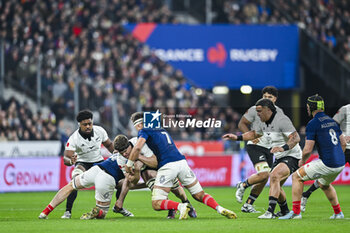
pixel 326 20
pixel 81 44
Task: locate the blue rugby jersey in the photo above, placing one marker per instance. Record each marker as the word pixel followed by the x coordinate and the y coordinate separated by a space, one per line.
pixel 112 168
pixel 162 145
pixel 325 132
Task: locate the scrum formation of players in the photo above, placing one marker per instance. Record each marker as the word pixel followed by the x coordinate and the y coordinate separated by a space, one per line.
pixel 154 157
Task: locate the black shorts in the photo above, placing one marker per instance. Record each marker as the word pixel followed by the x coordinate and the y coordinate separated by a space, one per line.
pixel 258 154
pixel 291 162
pixel 347 156
pixel 87 166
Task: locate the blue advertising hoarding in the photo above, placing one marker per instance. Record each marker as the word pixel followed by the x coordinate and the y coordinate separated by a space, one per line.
pixel 232 55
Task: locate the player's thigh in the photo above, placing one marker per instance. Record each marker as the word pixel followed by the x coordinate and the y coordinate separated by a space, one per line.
pixel 86 179
pixel 317 170
pixel 148 174
pixel 185 174
pixel 166 175
pixel 259 155
pixel 104 186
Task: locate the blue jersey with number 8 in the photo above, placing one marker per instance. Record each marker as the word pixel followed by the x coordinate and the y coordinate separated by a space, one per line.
pixel 162 145
pixel 325 132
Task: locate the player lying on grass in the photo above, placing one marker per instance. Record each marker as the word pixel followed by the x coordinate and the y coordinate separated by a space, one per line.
pixel 171 165
pixel 148 172
pixel 104 175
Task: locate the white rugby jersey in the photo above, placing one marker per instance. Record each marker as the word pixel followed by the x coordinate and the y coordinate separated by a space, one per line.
pixel 145 151
pixel 342 117
pixel 87 151
pixel 277 132
pixel 252 116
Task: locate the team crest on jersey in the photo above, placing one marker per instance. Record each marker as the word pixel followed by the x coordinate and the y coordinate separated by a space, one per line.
pixel 151 120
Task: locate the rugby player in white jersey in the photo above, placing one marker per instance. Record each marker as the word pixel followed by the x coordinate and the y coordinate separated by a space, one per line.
pixel 342 117
pixel 260 155
pixel 123 147
pixel 284 139
pixel 83 149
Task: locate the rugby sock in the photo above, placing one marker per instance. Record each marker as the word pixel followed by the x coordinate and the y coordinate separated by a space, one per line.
pixel 210 201
pixel 117 194
pixel 169 205
pixel 336 209
pixel 284 207
pixel 272 204
pixel 48 209
pixel 246 184
pixel 312 188
pixel 70 200
pixel 296 207
pixel 251 199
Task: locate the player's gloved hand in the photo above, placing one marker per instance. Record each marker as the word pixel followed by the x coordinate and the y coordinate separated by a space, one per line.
pixel 229 136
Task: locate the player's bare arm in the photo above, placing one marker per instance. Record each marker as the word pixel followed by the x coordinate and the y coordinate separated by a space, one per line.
pixel 149 161
pixel 293 139
pixel 109 145
pixel 250 135
pixel 244 124
pixel 69 157
pixel 309 146
pixel 134 155
pixel 135 176
pixel 343 141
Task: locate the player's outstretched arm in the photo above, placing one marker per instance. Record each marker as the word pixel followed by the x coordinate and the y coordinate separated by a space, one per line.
pixel 250 135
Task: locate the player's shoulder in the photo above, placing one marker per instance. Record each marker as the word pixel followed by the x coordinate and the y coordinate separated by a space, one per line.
pixel 99 130
pixel 133 140
pixel 74 135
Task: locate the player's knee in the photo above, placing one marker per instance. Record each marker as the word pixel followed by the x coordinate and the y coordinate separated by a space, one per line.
pixel 199 196
pixel 156 204
pixel 274 177
pixel 263 175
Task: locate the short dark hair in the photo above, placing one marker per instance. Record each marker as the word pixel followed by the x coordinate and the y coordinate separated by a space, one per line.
pixel 271 90
pixel 315 102
pixel 120 142
pixel 135 116
pixel 266 103
pixel 83 115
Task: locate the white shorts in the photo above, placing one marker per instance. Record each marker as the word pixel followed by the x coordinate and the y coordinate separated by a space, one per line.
pixel 104 183
pixel 316 170
pixel 167 174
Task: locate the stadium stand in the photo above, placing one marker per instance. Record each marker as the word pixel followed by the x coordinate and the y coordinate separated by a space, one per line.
pixel 84 42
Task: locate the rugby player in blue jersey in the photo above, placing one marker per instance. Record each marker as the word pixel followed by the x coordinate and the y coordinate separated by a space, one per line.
pixel 325 133
pixel 104 176
pixel 171 165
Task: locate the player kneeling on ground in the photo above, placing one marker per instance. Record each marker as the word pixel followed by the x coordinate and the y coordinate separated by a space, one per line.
pixel 104 176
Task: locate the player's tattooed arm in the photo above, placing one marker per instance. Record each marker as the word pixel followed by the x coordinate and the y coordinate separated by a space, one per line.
pixel 293 139
pixel 69 157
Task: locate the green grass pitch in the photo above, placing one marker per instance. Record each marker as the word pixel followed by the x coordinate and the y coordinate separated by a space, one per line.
pixel 19 213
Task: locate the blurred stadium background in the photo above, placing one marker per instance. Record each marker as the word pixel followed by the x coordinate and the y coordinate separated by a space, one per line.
pixel 197 58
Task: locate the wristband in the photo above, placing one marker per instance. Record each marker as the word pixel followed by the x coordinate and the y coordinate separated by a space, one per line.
pixel 240 138
pixel 130 163
pixel 285 147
